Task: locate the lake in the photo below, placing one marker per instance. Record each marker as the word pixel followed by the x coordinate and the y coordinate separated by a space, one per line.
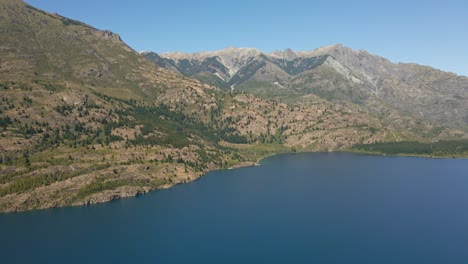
pixel 293 208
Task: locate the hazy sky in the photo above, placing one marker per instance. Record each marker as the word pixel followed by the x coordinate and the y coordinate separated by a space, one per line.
pixel 429 32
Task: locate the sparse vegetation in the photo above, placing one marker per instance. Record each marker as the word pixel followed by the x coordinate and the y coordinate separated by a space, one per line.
pixel 88 116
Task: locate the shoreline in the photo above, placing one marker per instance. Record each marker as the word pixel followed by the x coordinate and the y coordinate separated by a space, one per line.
pixel 125 193
pixel 258 163
pixel 405 154
pixel 112 196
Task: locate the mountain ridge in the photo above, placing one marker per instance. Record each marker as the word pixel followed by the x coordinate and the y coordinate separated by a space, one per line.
pixel 406 87
pixel 85 119
pixel 278 53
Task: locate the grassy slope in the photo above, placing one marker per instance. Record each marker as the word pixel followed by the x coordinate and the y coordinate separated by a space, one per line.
pixel 140 128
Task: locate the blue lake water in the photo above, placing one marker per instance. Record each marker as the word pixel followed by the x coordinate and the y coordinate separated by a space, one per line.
pixel 295 208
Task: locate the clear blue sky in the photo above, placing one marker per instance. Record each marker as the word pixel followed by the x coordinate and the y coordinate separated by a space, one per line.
pixel 428 32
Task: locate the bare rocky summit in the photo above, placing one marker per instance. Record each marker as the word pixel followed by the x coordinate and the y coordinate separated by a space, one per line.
pixel 335 73
pixel 85 119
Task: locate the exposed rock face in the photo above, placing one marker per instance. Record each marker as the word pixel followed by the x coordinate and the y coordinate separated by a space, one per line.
pixel 85 119
pixel 233 59
pixel 287 55
pixel 357 77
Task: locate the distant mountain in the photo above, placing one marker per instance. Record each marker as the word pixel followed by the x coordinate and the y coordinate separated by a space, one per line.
pixel 335 73
pixel 85 119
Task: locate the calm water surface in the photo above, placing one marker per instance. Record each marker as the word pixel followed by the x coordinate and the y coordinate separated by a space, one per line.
pixel 296 208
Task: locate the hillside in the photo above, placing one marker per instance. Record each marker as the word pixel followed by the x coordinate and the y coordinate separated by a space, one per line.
pixel 335 73
pixel 85 119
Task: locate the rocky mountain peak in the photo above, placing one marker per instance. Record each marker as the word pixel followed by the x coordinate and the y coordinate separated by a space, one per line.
pixel 236 58
pixel 326 50
pixel 227 52
pixel 335 71
pixel 288 54
pixel 232 58
pixel 333 47
pixel 242 51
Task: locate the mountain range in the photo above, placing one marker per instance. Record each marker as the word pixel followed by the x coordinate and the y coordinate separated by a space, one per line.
pixel 85 119
pixel 335 73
